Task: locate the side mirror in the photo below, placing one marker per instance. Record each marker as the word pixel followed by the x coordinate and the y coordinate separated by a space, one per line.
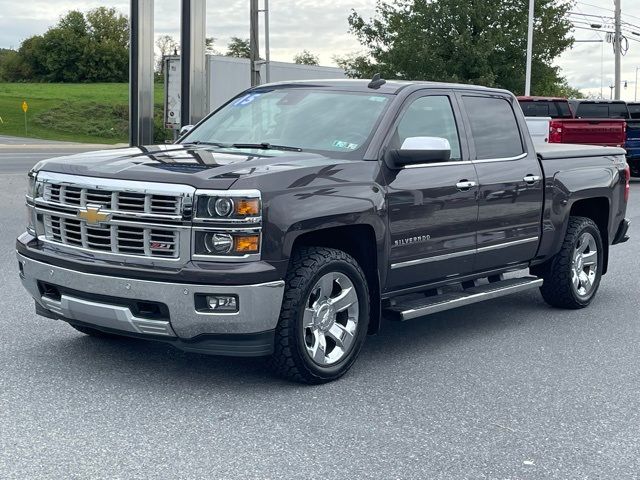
pixel 417 150
pixel 186 129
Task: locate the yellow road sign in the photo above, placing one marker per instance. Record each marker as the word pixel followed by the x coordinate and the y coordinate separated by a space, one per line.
pixel 25 106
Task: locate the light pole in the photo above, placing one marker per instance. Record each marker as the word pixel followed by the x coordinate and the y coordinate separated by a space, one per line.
pixel 527 88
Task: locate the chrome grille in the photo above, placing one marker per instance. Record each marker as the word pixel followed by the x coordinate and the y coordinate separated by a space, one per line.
pixel 149 241
pixel 124 201
pixel 144 222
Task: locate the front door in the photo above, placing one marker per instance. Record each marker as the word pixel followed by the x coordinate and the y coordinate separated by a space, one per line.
pixel 511 183
pixel 432 207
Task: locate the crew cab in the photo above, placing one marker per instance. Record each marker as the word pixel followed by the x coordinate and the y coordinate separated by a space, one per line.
pixel 296 217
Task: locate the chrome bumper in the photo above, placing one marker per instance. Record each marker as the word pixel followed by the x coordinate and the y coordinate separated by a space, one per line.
pixel 259 305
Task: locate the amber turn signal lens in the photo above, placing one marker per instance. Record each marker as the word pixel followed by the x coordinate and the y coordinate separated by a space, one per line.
pixel 248 207
pixel 247 244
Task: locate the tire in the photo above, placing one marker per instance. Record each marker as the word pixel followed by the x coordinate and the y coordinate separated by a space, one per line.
pixel 93 332
pixel 571 280
pixel 320 286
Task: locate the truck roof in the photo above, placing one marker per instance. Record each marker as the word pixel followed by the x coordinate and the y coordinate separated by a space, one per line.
pixel 390 87
pixel 541 99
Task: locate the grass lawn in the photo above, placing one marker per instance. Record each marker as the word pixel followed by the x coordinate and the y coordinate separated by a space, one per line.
pixel 93 113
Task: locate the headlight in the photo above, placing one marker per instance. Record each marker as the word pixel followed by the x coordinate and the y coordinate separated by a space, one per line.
pixel 241 244
pixel 232 206
pixel 31 184
pixel 227 225
pixel 32 193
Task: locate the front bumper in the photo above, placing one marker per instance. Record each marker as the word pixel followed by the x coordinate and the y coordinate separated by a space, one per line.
pixel 109 303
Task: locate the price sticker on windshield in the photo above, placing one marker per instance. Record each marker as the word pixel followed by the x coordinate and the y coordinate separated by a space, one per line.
pixel 245 99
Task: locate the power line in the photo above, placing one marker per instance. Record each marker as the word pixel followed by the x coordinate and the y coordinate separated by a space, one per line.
pixel 606 9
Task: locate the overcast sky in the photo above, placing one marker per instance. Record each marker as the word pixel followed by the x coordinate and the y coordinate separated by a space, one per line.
pixel 321 27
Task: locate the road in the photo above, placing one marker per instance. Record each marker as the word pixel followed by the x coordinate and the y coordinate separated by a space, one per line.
pixel 18 155
pixel 509 389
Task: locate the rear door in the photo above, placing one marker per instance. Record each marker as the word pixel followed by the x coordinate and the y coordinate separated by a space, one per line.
pixel 511 182
pixel 432 207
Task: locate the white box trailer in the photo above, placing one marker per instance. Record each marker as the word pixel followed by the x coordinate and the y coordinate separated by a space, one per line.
pixel 228 76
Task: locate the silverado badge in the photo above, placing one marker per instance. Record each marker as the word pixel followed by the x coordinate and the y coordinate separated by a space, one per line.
pixel 92 215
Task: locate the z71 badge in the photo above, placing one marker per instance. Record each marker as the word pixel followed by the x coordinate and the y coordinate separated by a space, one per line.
pixel 411 240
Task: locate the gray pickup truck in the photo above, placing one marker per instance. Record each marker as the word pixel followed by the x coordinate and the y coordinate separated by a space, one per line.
pixel 289 222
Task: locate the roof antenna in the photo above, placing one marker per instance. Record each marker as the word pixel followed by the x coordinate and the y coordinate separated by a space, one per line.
pixel 376 82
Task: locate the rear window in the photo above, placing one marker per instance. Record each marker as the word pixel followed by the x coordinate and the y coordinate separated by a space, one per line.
pixel 602 110
pixel 494 127
pixel 634 111
pixel 545 108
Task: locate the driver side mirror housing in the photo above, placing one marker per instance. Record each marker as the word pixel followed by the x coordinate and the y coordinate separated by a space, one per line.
pixel 416 150
pixel 186 129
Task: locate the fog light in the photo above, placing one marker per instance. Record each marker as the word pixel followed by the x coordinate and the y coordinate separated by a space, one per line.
pixel 222 303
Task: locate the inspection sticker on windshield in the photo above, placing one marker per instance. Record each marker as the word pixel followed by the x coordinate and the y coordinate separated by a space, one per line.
pixel 345 145
pixel 246 99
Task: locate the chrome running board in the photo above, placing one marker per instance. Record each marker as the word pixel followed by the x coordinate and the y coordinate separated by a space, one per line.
pixel 414 308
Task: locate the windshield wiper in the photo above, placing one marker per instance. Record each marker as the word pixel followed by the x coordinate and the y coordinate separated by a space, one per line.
pixel 213 144
pixel 267 146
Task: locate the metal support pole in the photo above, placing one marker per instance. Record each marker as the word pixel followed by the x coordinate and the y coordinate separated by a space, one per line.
pixel 193 87
pixel 617 46
pixel 267 46
pixel 527 88
pixel 254 43
pixel 141 64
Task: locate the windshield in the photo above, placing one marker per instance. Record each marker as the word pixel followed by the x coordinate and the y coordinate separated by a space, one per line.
pixel 334 123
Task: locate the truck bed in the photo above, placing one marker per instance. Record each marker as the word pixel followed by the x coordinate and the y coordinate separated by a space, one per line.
pixel 552 151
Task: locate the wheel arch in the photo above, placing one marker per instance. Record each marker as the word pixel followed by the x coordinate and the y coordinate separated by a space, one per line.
pixel 359 241
pixel 596 209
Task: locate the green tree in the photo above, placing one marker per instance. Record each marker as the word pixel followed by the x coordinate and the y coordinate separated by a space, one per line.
pixel 239 47
pixel 106 54
pixel 468 41
pixel 306 58
pixel 63 48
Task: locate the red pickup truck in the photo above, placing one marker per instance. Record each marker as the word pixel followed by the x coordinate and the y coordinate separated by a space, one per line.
pixel 585 124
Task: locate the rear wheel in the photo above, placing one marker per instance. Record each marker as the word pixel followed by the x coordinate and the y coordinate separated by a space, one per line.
pixel 573 276
pixel 324 316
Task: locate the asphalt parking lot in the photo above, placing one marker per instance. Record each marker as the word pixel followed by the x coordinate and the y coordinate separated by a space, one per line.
pixel 510 389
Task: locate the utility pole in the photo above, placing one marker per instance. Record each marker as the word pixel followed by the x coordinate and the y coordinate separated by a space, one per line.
pixel 617 46
pixel 254 43
pixel 527 88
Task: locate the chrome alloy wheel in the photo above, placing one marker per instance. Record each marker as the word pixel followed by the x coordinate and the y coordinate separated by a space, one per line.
pixel 584 266
pixel 330 319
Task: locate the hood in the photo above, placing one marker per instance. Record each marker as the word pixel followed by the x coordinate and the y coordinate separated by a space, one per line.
pixel 198 166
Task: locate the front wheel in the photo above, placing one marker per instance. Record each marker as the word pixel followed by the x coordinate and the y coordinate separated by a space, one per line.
pixel 324 316
pixel 573 276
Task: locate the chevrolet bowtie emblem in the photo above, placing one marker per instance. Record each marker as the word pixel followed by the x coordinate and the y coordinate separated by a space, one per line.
pixel 92 215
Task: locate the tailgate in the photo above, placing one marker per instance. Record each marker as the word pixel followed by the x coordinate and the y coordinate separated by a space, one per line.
pixel 611 133
pixel 633 138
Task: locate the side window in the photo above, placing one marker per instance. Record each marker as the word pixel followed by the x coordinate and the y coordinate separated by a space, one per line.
pixel 429 117
pixel 494 127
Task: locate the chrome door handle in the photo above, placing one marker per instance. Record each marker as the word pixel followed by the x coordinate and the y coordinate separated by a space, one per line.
pixel 531 179
pixel 464 185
